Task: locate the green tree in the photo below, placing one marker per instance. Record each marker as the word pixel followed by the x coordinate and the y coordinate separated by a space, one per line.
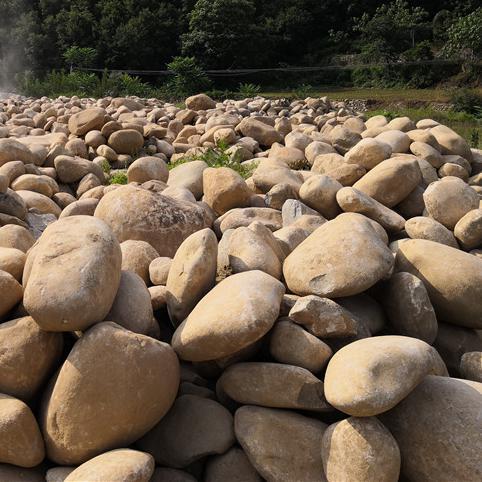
pixel 391 30
pixel 79 56
pixel 465 38
pixel 222 33
pixel 187 77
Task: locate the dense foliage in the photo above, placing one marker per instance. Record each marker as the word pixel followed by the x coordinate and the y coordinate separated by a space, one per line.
pixel 225 34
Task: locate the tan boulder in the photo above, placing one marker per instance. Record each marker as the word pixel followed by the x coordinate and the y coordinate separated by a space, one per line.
pixel 159 270
pixel 396 139
pixel 233 315
pixel 451 142
pixel 82 207
pixel 370 376
pixel 283 446
pixel 259 131
pixel 447 201
pixel 121 465
pixel 355 201
pixel 225 189
pixel 468 230
pixel 368 153
pixel 273 385
pixel 323 317
pixel 12 204
pixel 139 214
pixel 319 193
pixel 72 169
pixel 408 307
pixel 11 291
pixel 291 344
pixel 200 102
pixel 137 256
pixel 360 449
pixel 194 428
pixel 471 366
pixel 30 182
pixel 132 308
pixel 82 293
pixel 188 175
pixel 246 250
pixel 437 428
pixel 343 139
pixel 427 152
pixel 146 169
pixel 27 356
pixel 242 217
pixel 391 181
pixel 126 141
pixel 192 273
pixel 421 227
pixel 457 298
pixel 12 261
pixel 340 267
pixel 16 237
pixel 86 120
pixel 13 150
pixel 233 465
pixel 22 443
pixel 110 371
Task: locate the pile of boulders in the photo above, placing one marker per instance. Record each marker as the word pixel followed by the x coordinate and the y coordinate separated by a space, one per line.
pixel 320 320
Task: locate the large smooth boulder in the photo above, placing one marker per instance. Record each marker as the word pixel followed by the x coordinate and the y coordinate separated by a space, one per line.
pixel 71 169
pixel 132 307
pixel 368 153
pixel 194 428
pixel 468 229
pixel 225 189
pixel 17 237
pixel 233 465
pixel 121 465
pixel 332 261
pixel 11 291
pixel 408 307
pixel 453 279
pixel 437 428
pixel 391 181
pixel 360 449
pixel 136 213
pixel 291 344
pixel 12 261
pixel 13 150
pixel 259 131
pixel 233 315
pixel 449 200
pixel 114 386
pixel 12 204
pixel 200 102
pixel 283 446
pixel 126 141
pixel 82 292
pixel 137 256
pixel 192 273
pixel 421 227
pixel 273 385
pixel 27 357
pixel 355 201
pixel 370 376
pixel 147 169
pixel 188 175
pixel 20 437
pixel 451 142
pixel 86 120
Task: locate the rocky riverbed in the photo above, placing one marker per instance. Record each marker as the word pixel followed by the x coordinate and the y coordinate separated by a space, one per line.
pixel 317 318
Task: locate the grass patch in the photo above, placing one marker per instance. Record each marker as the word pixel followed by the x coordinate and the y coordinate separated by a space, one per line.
pixel 118 177
pixel 218 157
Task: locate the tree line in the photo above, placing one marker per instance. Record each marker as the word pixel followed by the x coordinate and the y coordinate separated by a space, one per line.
pixel 222 34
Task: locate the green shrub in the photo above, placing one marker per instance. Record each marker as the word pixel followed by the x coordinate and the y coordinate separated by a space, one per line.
pixel 303 91
pixel 188 78
pixel 249 90
pixel 118 177
pixel 217 157
pixel 468 101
